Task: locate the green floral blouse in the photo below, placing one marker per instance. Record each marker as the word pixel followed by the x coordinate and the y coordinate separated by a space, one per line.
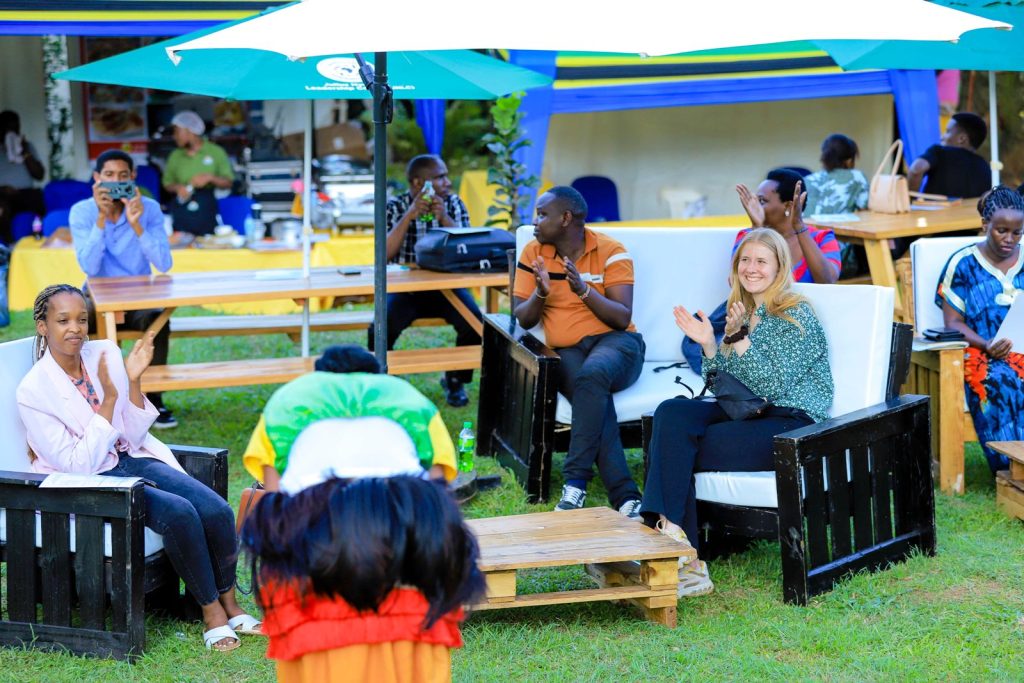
pixel 785 364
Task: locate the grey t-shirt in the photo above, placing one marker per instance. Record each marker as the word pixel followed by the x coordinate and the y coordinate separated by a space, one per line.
pixel 16 175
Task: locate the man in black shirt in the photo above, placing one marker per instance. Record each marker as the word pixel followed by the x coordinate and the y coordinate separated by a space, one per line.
pixel 954 168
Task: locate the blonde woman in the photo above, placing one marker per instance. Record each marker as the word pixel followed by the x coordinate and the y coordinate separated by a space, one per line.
pixel 775 345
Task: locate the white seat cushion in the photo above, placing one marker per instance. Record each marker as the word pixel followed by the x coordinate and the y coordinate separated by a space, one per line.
pixel 756 489
pixel 928 256
pixel 152 542
pixel 645 395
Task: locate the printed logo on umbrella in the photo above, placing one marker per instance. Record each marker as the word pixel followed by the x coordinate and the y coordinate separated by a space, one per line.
pixel 341 69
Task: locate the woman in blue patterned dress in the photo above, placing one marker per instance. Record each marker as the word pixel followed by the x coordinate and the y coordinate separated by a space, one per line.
pixel 975 291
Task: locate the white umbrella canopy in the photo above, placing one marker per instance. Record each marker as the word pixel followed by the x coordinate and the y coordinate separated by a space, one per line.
pixel 652 27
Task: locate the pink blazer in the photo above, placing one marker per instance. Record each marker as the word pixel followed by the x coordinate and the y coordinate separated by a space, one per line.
pixel 64 432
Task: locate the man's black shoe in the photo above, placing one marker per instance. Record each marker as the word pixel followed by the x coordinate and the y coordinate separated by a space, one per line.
pixel 454 392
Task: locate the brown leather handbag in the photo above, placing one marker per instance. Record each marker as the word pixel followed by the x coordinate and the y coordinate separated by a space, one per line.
pixel 250 496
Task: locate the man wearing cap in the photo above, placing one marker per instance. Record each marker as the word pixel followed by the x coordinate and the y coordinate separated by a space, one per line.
pixel 193 171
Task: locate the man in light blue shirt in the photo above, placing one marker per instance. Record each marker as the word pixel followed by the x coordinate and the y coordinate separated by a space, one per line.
pixel 119 237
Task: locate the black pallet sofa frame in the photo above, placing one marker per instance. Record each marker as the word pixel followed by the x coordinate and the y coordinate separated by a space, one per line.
pixel 84 602
pixel 876 461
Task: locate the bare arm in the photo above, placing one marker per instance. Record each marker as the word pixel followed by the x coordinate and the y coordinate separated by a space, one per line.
pixel 529 311
pixel 918 170
pixel 996 348
pixel 822 270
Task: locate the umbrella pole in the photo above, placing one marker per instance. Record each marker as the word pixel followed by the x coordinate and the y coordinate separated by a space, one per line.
pixel 993 127
pixel 307 213
pixel 381 109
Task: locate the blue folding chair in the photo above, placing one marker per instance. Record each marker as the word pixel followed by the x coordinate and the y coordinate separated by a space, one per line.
pixel 21 225
pixel 233 210
pixel 63 194
pixel 55 220
pixel 601 195
pixel 149 178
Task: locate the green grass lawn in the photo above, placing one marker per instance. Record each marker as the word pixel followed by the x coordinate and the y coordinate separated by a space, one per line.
pixel 957 616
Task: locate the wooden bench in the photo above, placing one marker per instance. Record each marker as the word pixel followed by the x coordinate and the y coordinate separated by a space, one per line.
pixel 1010 483
pixel 237 373
pixel 631 561
pixel 290 324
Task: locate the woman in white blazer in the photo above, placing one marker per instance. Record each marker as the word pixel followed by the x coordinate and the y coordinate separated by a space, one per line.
pixel 85 413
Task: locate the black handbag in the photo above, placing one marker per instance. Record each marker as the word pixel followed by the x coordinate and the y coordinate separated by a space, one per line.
pixel 736 399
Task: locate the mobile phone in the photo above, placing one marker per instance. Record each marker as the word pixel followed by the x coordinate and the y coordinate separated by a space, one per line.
pixel 119 189
pixel 349 271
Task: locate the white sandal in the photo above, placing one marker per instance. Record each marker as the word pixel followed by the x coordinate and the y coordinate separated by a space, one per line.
pixel 217 635
pixel 246 625
pixel 694 582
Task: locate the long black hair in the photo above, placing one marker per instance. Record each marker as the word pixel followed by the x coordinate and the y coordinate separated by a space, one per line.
pixel 358 539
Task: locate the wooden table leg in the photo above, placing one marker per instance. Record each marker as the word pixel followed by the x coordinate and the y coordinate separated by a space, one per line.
pixel 501 586
pixel 464 311
pixel 660 574
pixel 882 270
pixel 109 329
pixel 160 321
pixel 951 421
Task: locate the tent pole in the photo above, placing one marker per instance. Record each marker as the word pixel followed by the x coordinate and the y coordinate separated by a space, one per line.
pixel 307 213
pixel 380 232
pixel 993 127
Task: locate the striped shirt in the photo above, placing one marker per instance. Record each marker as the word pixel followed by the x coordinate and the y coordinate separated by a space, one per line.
pixel 826 241
pixel 397 207
pixel 567 319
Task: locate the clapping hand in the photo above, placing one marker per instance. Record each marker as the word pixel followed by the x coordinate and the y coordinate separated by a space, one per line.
pixel 999 348
pixel 735 317
pixel 752 205
pixel 140 357
pixel 696 327
pixel 572 276
pixel 107 384
pixel 542 277
pixel 796 217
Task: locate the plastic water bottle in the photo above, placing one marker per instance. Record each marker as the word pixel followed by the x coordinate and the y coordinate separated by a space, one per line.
pixel 466 447
pixel 428 194
pixel 37 228
pixel 255 229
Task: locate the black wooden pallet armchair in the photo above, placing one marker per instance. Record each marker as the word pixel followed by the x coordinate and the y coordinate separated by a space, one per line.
pixel 88 595
pixel 79 568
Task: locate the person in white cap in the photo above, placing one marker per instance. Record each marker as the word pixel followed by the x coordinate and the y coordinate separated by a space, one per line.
pixel 360 563
pixel 193 172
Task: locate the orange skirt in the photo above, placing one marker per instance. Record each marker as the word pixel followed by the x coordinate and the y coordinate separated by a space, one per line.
pixel 395 662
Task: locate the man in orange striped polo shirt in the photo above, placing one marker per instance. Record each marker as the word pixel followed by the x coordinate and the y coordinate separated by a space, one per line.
pixel 579 284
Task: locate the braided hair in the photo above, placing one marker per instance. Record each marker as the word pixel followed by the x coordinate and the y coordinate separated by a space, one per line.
pixel 40 309
pixel 998 198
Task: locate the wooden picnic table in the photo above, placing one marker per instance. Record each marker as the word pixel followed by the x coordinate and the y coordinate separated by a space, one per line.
pixel 874 230
pixel 113 297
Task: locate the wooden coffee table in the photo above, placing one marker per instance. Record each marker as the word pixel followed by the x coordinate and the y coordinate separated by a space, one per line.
pixel 631 561
pixel 1010 484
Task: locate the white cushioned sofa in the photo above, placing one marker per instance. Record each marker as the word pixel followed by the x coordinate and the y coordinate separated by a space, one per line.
pixel 523 419
pixel 84 555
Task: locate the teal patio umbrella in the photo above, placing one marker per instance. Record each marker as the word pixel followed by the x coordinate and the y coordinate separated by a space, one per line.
pixel 980 50
pixel 250 74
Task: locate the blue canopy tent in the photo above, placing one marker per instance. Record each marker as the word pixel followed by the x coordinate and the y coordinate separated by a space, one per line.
pixel 591 82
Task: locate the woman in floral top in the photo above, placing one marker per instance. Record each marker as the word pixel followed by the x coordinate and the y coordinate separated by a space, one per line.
pixel 775 345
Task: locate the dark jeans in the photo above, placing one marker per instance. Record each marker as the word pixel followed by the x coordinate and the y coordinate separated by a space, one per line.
pixel 198 526
pixel 406 307
pixel 697 436
pixel 140 320
pixel 13 202
pixel 590 372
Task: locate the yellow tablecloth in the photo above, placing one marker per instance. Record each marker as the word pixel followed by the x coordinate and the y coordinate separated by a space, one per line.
pixel 33 268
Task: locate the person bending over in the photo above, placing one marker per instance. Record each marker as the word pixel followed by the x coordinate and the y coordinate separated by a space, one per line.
pixel 409 216
pixel 346 385
pixel 975 291
pixel 774 345
pixel 579 284
pixel 84 413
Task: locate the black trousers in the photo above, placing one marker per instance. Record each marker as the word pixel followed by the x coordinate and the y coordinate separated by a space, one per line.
pixel 140 320
pixel 590 372
pixel 697 436
pixel 406 307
